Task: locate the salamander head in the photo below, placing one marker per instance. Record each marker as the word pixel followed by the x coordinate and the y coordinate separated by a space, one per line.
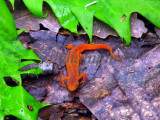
pixel 72 86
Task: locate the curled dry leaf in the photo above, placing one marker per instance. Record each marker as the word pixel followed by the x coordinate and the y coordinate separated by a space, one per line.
pixel 137 26
pixel 102 30
pixel 25 20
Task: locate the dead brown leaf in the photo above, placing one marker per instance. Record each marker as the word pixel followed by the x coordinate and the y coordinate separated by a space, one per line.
pixel 26 20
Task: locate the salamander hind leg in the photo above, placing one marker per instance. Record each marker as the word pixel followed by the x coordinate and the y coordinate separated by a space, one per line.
pixel 69 46
pixel 62 81
pixel 84 78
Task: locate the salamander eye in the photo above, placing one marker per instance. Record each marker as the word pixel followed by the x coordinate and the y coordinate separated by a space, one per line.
pixel 30 107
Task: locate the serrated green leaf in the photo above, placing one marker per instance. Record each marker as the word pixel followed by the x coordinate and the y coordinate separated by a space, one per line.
pixel 70 12
pixel 11 49
pixel 11 54
pixel 14 100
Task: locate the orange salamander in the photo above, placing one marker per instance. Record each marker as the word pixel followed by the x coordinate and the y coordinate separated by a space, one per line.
pixel 72 65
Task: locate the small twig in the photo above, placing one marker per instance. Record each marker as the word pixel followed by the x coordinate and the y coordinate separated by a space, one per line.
pixel 90 4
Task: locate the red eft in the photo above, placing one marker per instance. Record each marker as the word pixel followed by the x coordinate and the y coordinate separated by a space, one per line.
pixel 72 63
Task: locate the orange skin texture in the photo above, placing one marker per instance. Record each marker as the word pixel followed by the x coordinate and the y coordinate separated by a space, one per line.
pixel 72 61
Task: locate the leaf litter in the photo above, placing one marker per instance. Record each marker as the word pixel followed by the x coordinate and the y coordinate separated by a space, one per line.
pixel 125 90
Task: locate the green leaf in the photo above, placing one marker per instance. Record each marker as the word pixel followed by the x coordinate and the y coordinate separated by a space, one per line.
pixel 20 31
pixel 70 12
pixel 11 54
pixel 12 3
pixel 11 49
pixel 14 100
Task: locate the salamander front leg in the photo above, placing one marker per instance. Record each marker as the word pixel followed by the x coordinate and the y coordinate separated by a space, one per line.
pixel 84 78
pixel 62 81
pixel 69 46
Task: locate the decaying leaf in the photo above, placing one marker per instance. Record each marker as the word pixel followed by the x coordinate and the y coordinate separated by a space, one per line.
pixel 49 52
pixel 25 20
pixel 137 26
pixel 131 96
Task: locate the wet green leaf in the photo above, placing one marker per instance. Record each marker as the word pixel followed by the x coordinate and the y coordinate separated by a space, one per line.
pixel 14 100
